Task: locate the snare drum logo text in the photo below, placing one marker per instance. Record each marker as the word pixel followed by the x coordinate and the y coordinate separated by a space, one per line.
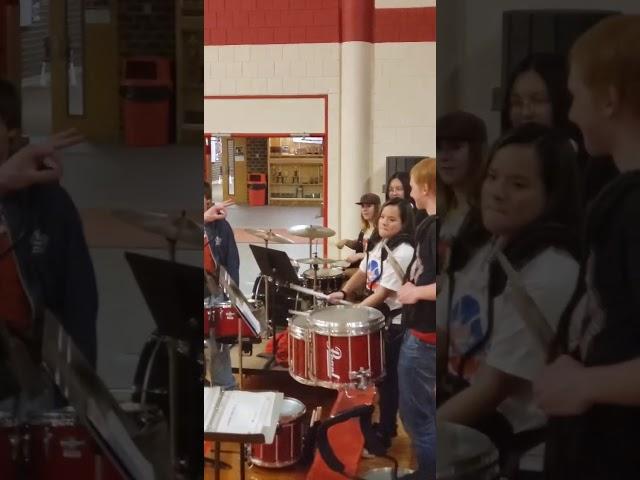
pixel 333 354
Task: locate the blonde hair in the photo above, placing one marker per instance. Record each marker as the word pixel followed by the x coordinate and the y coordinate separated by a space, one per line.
pixel 424 173
pixel 608 55
pixel 366 224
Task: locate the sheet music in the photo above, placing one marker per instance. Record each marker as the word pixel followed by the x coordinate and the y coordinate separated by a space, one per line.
pixel 212 397
pixel 242 413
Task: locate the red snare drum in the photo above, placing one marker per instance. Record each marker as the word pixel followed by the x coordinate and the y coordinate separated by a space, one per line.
pixel 346 340
pixel 299 351
pixel 286 448
pixel 10 452
pixel 223 318
pixel 60 447
pixel 328 279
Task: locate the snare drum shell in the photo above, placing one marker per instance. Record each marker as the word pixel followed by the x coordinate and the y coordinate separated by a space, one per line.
pixel 299 351
pixel 335 357
pixel 286 448
pixel 10 452
pixel 225 318
pixel 61 451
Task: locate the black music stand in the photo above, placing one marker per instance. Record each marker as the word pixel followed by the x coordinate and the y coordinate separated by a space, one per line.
pixel 274 264
pixel 173 293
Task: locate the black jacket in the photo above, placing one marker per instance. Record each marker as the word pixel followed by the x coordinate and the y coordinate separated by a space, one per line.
pixel 602 443
pixel 421 316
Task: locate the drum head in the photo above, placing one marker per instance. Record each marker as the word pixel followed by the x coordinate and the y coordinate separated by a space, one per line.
pixel 291 409
pixel 343 320
pixel 65 417
pixel 299 326
pixel 322 273
pixel 463 452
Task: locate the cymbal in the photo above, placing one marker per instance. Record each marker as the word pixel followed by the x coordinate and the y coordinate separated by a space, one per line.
pixel 311 231
pixel 316 261
pixel 173 228
pixel 268 235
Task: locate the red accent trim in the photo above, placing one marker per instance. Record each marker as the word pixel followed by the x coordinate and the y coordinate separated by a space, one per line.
pixel 357 20
pixel 429 338
pixel 405 25
pixel 325 140
pixel 265 22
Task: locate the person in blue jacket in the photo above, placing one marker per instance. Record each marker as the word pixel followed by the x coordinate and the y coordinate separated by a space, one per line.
pixel 222 246
pixel 45 263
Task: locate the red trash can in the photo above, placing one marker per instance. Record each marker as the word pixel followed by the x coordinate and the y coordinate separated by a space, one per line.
pixel 147 91
pixel 257 194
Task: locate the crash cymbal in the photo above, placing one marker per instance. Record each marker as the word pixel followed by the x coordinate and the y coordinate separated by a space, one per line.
pixel 173 228
pixel 316 261
pixel 268 235
pixel 311 231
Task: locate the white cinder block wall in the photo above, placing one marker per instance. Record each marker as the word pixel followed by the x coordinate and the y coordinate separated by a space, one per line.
pixel 402 100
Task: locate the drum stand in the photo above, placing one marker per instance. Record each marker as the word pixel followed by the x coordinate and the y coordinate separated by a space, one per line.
pixel 271 357
pixel 170 345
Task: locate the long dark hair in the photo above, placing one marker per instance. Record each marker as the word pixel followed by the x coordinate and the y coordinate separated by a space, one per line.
pixel 552 68
pixel 407 230
pixel 405 180
pixel 559 173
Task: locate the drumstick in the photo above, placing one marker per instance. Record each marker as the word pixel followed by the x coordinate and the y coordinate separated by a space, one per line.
pixel 531 315
pixel 316 294
pixel 297 312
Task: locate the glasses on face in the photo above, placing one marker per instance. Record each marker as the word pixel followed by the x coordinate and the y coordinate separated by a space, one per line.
pixel 396 189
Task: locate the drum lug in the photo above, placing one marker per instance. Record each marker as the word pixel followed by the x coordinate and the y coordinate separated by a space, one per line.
pixel 361 378
pixel 47 440
pixel 247 455
pixel 14 441
pixel 26 442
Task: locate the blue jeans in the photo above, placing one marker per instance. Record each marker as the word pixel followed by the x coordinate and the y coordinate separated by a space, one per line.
pixel 417 383
pixel 222 376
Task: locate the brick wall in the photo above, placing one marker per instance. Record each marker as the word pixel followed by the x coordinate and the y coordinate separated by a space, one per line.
pixel 251 22
pixel 147 33
pixel 257 155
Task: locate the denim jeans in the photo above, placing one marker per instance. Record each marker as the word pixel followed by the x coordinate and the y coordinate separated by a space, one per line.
pixel 417 382
pixel 388 388
pixel 222 376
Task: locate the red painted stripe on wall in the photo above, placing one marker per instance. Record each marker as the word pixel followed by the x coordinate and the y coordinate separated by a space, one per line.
pixel 264 22
pixel 357 20
pixel 405 25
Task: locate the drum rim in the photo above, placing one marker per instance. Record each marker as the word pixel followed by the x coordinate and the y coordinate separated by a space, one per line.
pixel 480 461
pixel 344 328
pixel 292 418
pixel 54 419
pixel 7 420
pixel 255 303
pixel 339 386
pixel 263 464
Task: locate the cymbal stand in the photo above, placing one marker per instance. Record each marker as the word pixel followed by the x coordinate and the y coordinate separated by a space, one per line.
pixel 265 281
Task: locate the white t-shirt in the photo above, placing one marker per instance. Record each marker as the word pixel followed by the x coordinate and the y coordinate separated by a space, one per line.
pixel 384 275
pixel 549 279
